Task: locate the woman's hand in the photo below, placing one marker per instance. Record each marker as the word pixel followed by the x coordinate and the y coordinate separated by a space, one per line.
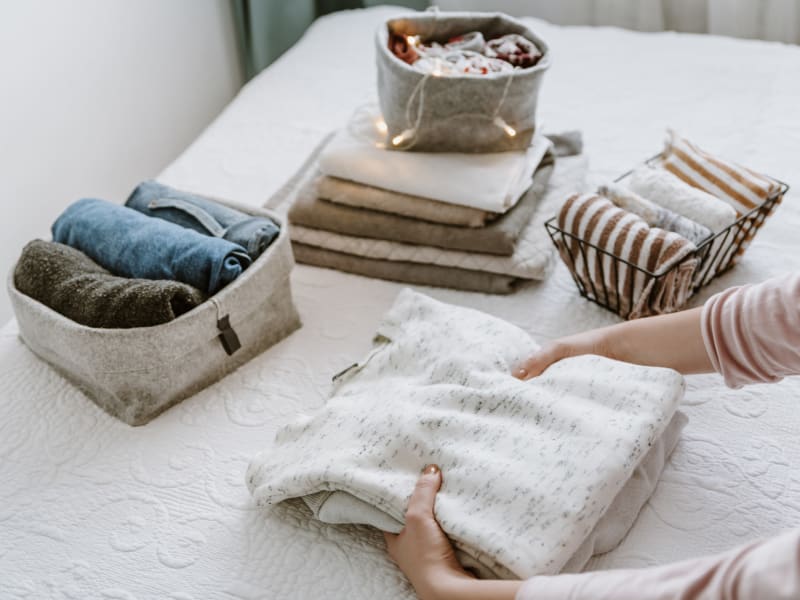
pixel 422 550
pixel 590 342
pixel 425 555
pixel 674 341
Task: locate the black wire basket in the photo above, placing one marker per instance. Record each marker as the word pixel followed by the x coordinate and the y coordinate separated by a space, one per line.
pixel 715 255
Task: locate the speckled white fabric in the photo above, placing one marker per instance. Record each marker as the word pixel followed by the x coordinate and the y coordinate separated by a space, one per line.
pixel 530 467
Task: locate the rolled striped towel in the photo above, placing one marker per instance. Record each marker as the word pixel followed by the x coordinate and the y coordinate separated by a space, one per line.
pixel 653 214
pixel 644 281
pixel 664 188
pixel 738 186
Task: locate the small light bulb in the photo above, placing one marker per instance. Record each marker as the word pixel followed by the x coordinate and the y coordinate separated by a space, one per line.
pixel 402 137
pixel 412 40
pixel 381 126
pixel 510 131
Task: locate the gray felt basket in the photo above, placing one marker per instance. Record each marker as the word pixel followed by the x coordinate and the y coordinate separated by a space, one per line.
pixel 135 374
pixel 457 114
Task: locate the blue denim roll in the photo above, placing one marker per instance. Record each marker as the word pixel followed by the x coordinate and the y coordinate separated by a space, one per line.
pixel 154 199
pixel 130 244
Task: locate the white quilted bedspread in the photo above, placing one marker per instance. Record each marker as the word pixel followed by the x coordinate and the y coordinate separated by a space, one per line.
pixel 93 509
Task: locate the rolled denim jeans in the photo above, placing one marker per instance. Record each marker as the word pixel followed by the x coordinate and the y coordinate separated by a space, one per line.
pixel 130 244
pixel 154 199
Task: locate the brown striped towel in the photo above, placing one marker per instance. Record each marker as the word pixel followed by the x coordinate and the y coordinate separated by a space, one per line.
pixel 740 187
pixel 644 285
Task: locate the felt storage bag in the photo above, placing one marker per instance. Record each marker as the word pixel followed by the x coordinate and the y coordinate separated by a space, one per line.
pixel 464 113
pixel 135 374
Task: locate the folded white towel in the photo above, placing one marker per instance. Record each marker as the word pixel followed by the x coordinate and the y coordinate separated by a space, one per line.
pixel 492 182
pixel 530 466
pixel 662 187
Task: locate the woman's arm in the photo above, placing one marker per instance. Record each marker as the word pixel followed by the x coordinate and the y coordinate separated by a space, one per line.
pixel 749 334
pixel 674 341
pixel 766 569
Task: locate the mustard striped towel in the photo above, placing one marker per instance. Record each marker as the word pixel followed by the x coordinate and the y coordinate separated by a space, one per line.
pixel 740 187
pixel 650 286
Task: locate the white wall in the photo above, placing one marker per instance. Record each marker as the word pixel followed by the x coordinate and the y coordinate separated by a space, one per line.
pixel 96 95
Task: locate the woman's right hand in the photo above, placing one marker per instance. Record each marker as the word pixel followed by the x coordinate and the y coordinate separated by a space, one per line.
pixel 674 341
pixel 596 341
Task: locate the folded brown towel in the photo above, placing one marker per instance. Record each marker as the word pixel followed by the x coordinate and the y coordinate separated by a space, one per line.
pixel 69 282
pixel 350 193
pixel 499 237
pixel 646 283
pixel 406 272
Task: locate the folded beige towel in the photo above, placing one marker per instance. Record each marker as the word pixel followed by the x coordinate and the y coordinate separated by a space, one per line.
pixel 622 234
pixel 342 191
pixel 406 272
pixel 499 237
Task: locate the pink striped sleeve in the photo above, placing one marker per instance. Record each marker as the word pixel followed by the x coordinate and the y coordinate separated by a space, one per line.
pixel 752 333
pixel 768 569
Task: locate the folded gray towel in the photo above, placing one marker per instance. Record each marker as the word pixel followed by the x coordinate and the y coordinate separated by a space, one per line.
pixel 71 283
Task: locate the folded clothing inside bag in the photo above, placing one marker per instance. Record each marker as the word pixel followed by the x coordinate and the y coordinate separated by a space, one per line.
pixel 254 233
pixel 72 284
pixel 130 244
pixel 624 235
pixel 561 446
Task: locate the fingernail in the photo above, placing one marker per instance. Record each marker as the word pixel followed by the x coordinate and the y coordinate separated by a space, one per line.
pixel 430 470
pixel 521 372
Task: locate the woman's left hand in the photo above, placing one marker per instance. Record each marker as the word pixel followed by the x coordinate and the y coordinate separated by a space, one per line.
pixel 421 549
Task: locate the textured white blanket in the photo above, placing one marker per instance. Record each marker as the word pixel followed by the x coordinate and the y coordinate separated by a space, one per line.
pixel 530 467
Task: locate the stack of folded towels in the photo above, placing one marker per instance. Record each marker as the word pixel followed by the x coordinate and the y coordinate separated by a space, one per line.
pixel 466 221
pixel 142 264
pixel 655 224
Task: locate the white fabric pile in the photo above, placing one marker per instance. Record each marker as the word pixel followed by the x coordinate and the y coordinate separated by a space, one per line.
pixel 530 468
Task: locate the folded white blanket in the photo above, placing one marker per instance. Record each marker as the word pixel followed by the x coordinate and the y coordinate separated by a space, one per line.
pixel 530 467
pixel 344 508
pixel 662 187
pixel 492 182
pixel 532 258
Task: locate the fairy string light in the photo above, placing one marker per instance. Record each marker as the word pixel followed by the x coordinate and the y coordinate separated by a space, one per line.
pixel 406 139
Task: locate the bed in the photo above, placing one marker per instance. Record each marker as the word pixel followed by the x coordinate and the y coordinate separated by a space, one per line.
pixel 91 508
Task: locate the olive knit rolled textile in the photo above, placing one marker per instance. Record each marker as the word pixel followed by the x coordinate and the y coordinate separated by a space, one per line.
pixel 130 244
pixel 72 284
pixel 665 189
pixel 653 214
